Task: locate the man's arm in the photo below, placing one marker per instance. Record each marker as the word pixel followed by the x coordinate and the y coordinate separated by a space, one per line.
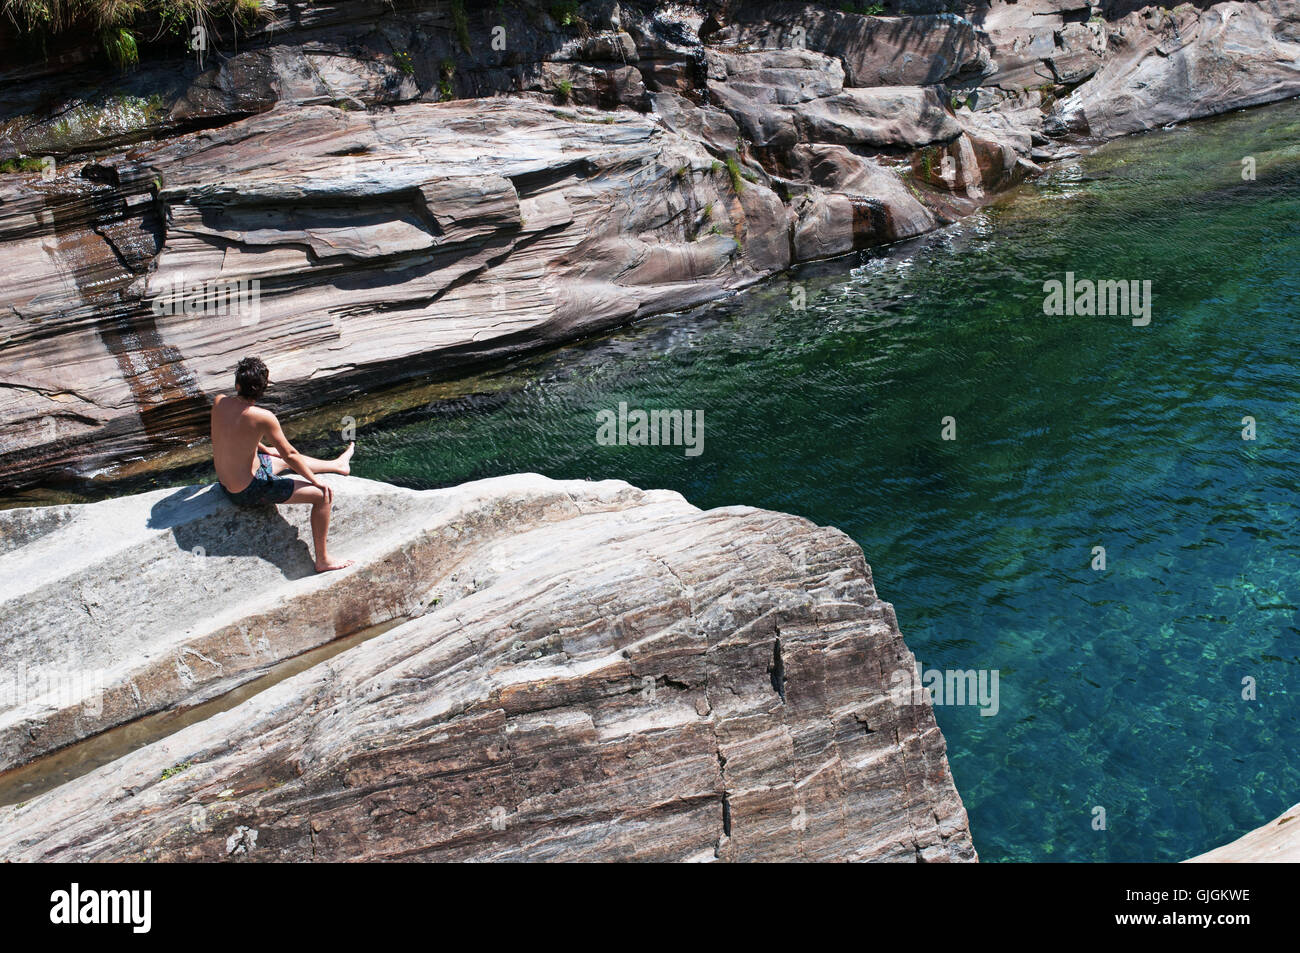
pixel 291 456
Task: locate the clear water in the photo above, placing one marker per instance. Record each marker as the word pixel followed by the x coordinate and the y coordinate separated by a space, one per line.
pixel 1119 688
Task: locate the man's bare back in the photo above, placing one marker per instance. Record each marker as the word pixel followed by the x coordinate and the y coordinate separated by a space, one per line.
pixel 249 471
pixel 237 430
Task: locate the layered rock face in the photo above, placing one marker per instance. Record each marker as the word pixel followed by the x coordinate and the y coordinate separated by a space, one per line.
pixel 588 671
pixel 417 190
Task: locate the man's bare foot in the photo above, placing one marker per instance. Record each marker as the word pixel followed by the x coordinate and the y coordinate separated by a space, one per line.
pixel 345 459
pixel 333 564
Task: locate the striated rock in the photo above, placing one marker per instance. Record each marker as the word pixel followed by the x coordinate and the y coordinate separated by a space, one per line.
pixel 875 51
pixel 855 203
pixel 1034 43
pixel 587 85
pixel 782 98
pixel 712 127
pixel 593 672
pixel 766 92
pixel 881 118
pixel 1278 841
pixel 382 243
pixel 1170 66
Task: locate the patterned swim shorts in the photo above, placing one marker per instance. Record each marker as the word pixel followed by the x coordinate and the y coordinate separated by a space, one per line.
pixel 266 487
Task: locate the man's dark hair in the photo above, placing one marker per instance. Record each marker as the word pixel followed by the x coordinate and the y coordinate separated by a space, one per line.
pixel 250 378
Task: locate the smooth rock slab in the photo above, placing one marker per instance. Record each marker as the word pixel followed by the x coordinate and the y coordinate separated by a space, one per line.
pixel 1276 842
pixel 619 676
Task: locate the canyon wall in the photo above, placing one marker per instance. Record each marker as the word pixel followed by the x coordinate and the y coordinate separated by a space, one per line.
pixel 418 190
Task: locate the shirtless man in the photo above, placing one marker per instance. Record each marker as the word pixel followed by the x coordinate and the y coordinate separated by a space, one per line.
pixel 249 471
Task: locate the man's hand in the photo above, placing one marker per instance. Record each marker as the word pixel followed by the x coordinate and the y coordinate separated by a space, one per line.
pixel 329 494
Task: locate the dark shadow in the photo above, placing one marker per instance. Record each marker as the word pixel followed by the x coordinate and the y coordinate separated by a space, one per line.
pixel 205 523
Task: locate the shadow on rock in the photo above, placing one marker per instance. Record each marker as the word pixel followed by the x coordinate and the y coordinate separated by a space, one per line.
pixel 203 522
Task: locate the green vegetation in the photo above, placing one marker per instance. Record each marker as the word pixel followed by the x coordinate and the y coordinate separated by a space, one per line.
pixel 22 164
pixel 446 74
pixel 57 16
pixel 564 90
pixel 177 769
pixel 737 179
pixel 119 24
pixel 404 62
pixel 566 14
pixel 119 47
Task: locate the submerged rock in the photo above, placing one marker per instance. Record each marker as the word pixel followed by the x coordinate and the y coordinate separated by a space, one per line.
pixel 591 672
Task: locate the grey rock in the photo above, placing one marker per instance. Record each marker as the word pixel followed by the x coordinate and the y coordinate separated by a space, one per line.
pixel 1277 842
pixel 593 673
pixel 1173 66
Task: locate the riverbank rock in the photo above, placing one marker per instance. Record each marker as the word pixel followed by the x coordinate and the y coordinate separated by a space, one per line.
pixel 383 245
pixel 1278 841
pixel 1170 66
pixel 590 672
pixel 430 188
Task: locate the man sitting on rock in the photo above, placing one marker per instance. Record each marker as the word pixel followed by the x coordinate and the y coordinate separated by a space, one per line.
pixel 250 472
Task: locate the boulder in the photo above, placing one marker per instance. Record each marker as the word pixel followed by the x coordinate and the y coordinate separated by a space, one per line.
pixel 880 118
pixel 855 204
pixel 875 51
pixel 587 672
pixel 1170 66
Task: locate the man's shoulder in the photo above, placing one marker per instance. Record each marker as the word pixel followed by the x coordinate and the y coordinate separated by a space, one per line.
pixel 262 415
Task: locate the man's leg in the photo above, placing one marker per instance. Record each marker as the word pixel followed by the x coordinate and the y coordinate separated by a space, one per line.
pixel 304 492
pixel 341 464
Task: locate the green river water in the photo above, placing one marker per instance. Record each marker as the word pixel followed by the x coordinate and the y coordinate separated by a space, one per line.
pixel 1119 688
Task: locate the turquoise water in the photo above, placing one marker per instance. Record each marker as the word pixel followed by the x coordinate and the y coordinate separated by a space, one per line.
pixel 1119 688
